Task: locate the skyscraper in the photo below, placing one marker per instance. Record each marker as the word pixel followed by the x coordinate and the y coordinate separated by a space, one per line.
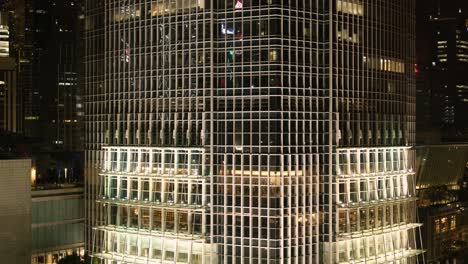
pixel 64 115
pixel 10 105
pixel 238 131
pixel 4 36
pixel 11 45
pixel 442 61
pixel 8 95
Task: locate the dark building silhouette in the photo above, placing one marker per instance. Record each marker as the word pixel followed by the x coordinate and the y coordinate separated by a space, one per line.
pixel 442 90
pixel 8 87
pixel 62 117
pixel 9 105
pixel 46 44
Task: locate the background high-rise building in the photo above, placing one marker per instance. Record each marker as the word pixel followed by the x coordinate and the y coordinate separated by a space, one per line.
pixel 35 28
pixel 250 131
pixel 44 39
pixel 8 87
pixel 64 115
pixel 4 35
pixel 442 66
pixel 10 92
pixel 9 104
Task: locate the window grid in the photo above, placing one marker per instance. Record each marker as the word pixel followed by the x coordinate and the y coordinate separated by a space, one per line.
pixel 301 114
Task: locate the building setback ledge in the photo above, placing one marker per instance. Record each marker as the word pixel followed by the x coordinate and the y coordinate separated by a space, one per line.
pixel 152 175
pixel 389 256
pixel 139 203
pixel 344 206
pixel 150 233
pixel 377 231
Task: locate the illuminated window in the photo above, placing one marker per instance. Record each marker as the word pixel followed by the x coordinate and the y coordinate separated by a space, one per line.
pixel 4 42
pixel 273 55
pixel 145 247
pixel 157 220
pixel 345 35
pixel 173 7
pixel 134 217
pixel 126 13
pixel 444 224
pixel 441 225
pixel 145 218
pixel 348 7
pixel 169 221
pixel 453 222
pixel 183 222
pixel 227 30
pixel 389 65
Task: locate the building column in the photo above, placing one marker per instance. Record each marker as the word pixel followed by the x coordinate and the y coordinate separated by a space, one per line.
pixel 163 161
pixel 189 192
pixel 163 190
pixel 176 191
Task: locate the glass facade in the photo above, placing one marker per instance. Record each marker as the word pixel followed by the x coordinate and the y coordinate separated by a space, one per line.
pixel 246 131
pixel 4 41
pixel 57 228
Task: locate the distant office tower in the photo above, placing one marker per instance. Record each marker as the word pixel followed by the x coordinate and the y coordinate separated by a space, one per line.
pixel 66 114
pixel 10 105
pixel 4 36
pixel 35 27
pixel 47 49
pixel 8 88
pixel 442 90
pixel 266 131
pixel 11 39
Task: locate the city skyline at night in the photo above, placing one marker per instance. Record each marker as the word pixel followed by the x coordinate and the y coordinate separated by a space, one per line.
pixel 234 131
